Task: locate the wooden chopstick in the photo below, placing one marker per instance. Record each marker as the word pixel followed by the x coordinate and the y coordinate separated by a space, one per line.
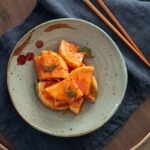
pixel 144 140
pixel 117 32
pixel 120 27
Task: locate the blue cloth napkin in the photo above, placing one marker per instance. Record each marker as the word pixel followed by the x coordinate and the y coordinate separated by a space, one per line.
pixel 134 15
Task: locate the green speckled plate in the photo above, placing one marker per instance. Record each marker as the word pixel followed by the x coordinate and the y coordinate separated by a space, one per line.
pixel 110 72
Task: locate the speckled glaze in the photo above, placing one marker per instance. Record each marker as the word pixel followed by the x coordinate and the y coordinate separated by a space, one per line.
pixel 110 72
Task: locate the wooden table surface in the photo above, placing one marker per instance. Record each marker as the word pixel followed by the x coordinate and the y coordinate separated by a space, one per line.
pixel 12 12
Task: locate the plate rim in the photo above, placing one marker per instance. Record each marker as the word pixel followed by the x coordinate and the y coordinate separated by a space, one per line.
pixel 108 116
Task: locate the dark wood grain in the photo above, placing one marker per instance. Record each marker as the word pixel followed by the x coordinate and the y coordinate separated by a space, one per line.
pixel 13 12
pixel 5 143
pixel 134 130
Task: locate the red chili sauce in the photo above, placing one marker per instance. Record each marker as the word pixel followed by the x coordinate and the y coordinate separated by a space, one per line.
pixel 21 60
pixel 39 44
pixel 30 56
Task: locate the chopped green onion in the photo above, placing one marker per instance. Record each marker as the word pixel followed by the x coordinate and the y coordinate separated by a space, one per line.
pixel 71 93
pixel 95 93
pixel 36 86
pixel 48 68
pixel 85 50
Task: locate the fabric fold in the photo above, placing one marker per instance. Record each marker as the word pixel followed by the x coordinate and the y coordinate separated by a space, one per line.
pixel 134 15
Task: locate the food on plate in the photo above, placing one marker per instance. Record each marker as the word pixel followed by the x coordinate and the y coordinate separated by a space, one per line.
pixel 93 90
pixel 43 95
pixel 46 99
pixel 64 81
pixel 51 65
pixel 76 105
pixel 66 90
pixel 70 54
pixel 83 77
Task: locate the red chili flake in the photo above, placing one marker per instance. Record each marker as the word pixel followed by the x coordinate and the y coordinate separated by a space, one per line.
pixel 39 44
pixel 30 56
pixel 21 60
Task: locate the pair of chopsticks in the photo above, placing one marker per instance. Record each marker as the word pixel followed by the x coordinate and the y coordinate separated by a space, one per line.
pixel 120 32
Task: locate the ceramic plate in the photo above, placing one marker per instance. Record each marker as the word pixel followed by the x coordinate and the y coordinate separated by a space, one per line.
pixel 110 71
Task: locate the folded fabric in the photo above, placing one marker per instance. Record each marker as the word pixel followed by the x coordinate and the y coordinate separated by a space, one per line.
pixel 134 15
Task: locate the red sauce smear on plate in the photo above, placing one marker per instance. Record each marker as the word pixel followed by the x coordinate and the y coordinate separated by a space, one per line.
pixel 30 56
pixel 19 49
pixel 57 26
pixel 21 60
pixel 39 44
